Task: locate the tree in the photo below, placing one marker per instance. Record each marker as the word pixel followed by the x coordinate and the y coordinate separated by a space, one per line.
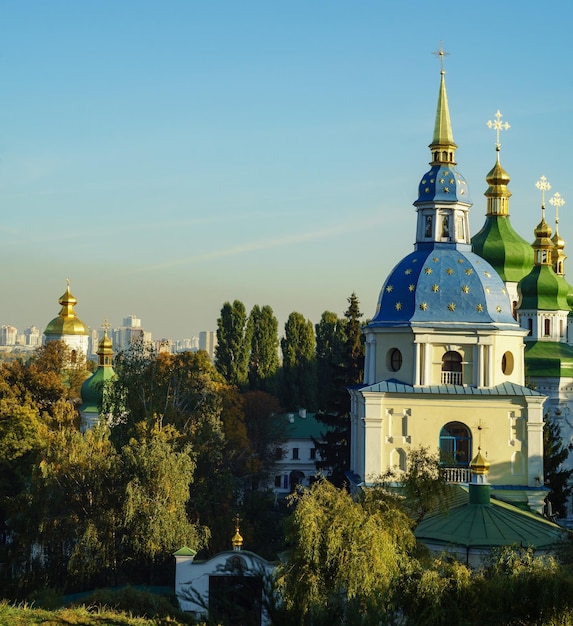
pixel 262 328
pixel 334 449
pixel 556 476
pixel 299 363
pixel 345 556
pixel 233 342
pixel 157 490
pixel 330 340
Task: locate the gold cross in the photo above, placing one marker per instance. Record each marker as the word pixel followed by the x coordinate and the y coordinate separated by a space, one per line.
pixel 498 126
pixel 544 185
pixel 441 53
pixel 106 325
pixel 557 201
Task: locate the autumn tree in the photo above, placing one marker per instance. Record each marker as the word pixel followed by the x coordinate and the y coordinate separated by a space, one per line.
pixel 233 343
pixel 262 328
pixel 299 363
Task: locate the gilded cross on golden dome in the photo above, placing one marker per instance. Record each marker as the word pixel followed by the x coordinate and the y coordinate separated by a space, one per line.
pixel 544 185
pixel 106 325
pixel 557 201
pixel 498 126
pixel 441 53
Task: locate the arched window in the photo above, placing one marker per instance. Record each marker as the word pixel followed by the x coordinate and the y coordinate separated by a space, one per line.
pixel 546 326
pixel 452 373
pixel 455 445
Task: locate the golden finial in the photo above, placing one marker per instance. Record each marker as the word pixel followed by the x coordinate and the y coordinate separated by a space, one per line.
pixel 106 325
pixel 441 53
pixel 237 540
pixel 544 185
pixel 68 281
pixel 498 126
pixel 557 201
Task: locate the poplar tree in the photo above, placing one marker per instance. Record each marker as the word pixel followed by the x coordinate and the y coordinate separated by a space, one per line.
pixel 299 363
pixel 262 328
pixel 232 351
pixel 330 340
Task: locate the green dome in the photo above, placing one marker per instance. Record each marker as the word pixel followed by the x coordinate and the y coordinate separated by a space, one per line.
pixel 548 358
pixel 499 244
pixel 92 388
pixel 542 289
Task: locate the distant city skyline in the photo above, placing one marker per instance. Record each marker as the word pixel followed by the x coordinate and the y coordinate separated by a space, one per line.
pixel 169 157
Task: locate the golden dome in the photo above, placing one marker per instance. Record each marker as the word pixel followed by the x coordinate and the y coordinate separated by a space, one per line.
pixel 543 232
pixel 67 322
pixel 479 464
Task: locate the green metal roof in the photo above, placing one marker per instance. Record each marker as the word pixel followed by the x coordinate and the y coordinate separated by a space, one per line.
pixel 542 289
pixel 394 386
pixel 499 244
pixel 92 388
pixel 488 525
pixel 302 427
pixel 548 358
pixel 185 551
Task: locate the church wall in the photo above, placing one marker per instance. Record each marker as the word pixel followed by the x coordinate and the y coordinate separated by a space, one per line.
pixel 393 423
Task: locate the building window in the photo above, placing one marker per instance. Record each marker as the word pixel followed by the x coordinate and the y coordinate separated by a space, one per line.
pixel 455 445
pixel 295 454
pixel 547 326
pixel 530 326
pixel 312 454
pixel 452 373
pixel 278 481
pixel 394 360
pixel 507 363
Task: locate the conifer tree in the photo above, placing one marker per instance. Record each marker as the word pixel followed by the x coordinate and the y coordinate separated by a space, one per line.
pixel 334 449
pixel 556 477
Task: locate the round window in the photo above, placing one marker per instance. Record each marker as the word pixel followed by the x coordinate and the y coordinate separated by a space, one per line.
pixel 394 359
pixel 507 363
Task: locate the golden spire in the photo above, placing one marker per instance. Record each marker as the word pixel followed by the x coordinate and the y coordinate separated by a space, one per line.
pixel 558 243
pixel 543 245
pixel 442 146
pixel 105 348
pixel 498 179
pixel 237 539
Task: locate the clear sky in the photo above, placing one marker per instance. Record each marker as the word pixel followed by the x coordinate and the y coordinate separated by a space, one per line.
pixel 168 156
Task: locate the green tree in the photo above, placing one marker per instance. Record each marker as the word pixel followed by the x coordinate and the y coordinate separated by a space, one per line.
pixel 157 490
pixel 262 328
pixel 233 343
pixel 330 341
pixel 334 449
pixel 299 363
pixel 345 556
pixel 557 478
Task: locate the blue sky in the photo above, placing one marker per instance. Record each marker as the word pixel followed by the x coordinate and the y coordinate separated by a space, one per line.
pixel 169 156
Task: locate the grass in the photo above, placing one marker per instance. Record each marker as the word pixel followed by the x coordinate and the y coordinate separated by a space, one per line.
pixel 23 615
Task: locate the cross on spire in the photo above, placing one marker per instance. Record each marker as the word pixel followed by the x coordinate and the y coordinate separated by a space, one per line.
pixel 441 53
pixel 557 201
pixel 106 325
pixel 543 185
pixel 498 126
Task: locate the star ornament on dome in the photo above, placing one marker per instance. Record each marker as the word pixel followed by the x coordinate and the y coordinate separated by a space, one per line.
pixel 498 126
pixel 452 306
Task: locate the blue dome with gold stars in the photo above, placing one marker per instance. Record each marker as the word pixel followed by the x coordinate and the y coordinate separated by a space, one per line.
pixel 443 286
pixel 443 183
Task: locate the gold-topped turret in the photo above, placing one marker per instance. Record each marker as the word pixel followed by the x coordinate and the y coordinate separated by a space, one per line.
pixel 237 539
pixel 443 146
pixel 498 179
pixel 543 246
pixel 559 255
pixel 105 348
pixel 67 322
pixel 479 464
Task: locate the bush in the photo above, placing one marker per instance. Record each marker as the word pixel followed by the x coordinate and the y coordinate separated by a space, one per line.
pixel 138 603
